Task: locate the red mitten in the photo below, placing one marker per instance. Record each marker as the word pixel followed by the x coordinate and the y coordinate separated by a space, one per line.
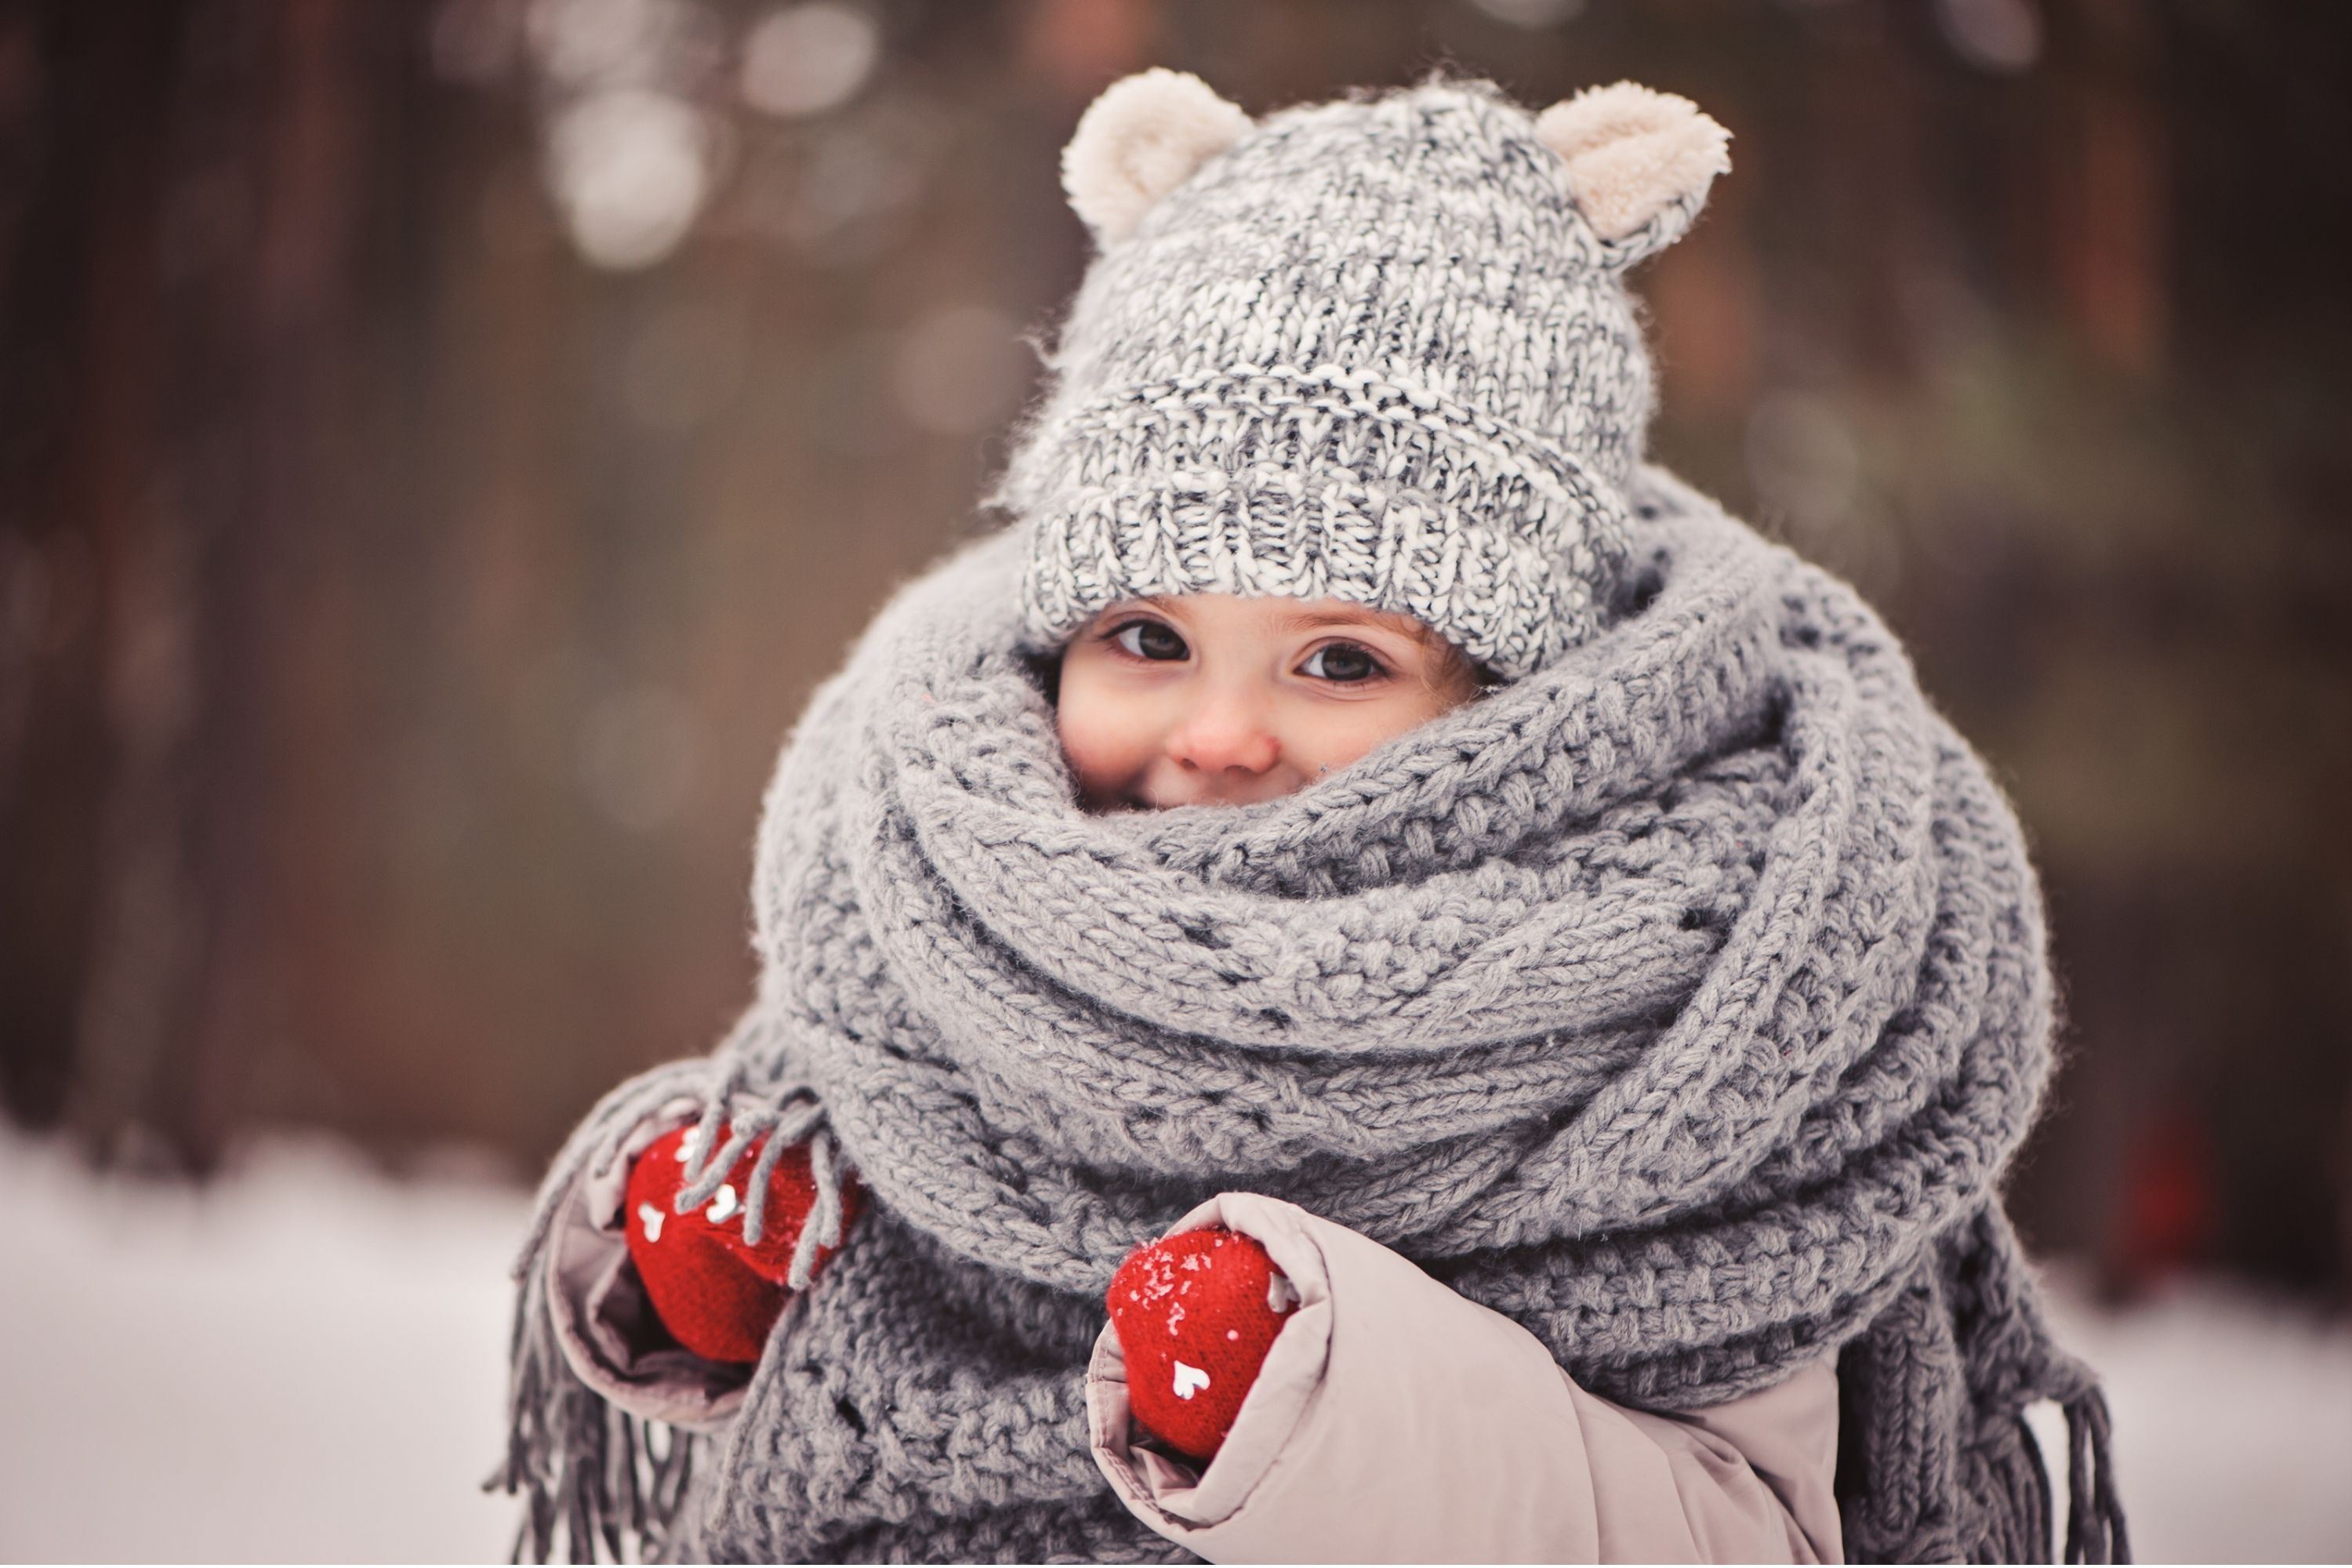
pixel 717 1293
pixel 1195 1315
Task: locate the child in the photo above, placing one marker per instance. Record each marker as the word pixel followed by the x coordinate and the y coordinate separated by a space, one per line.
pixel 1490 971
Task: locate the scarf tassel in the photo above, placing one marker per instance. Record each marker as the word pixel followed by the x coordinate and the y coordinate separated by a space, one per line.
pixel 2095 1511
pixel 592 1475
pixel 595 1480
pixel 800 1118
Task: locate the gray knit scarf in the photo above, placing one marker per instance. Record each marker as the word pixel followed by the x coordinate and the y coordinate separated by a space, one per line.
pixel 1683 1000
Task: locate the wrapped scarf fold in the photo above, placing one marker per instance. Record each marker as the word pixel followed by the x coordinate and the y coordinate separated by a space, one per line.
pixel 1683 1000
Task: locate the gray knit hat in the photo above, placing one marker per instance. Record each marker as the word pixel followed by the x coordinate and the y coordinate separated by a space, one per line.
pixel 1376 349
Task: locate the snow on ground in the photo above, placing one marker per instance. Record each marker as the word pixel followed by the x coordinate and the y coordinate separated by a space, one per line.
pixel 303 1362
pixel 307 1361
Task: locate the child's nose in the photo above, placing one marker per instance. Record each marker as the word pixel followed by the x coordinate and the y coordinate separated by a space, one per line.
pixel 1226 734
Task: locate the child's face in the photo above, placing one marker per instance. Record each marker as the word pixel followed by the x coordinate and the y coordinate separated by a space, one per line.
pixel 1210 698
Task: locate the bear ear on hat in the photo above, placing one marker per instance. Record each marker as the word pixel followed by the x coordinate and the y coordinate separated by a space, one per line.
pixel 1146 135
pixel 1639 163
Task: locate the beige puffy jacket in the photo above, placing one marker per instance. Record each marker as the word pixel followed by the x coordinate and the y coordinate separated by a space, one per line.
pixel 1394 1421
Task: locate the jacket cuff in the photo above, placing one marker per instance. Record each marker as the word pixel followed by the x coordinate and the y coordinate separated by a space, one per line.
pixel 608 1328
pixel 1373 1432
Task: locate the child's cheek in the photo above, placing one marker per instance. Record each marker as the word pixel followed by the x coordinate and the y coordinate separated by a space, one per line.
pixel 1345 733
pixel 1103 745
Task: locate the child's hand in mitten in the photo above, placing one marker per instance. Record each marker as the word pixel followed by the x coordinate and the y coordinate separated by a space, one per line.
pixel 1195 1315
pixel 716 1294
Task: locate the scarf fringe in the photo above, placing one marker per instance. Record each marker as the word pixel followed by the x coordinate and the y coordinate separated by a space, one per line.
pixel 597 1482
pixel 799 1117
pixel 2094 1509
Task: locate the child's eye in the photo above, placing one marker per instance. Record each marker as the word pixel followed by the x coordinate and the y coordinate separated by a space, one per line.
pixel 1149 639
pixel 1345 662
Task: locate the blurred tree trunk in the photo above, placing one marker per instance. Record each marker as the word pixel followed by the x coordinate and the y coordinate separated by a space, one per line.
pixel 179 326
pixel 78 324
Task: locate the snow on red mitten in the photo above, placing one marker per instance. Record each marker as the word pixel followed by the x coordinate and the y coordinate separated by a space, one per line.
pixel 1195 1315
pixel 717 1293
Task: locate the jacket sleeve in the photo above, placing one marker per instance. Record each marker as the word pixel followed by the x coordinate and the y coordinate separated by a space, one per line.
pixel 608 1328
pixel 1395 1420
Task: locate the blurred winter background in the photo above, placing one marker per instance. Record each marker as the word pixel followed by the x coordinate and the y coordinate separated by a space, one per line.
pixel 441 444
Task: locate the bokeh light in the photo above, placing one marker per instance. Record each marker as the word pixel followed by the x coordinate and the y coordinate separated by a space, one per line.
pixel 806 59
pixel 631 167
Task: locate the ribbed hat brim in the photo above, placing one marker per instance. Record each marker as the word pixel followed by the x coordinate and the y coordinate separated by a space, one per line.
pixel 1315 484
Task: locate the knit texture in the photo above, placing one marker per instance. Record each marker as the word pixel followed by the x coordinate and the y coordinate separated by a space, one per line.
pixel 1683 1000
pixel 1371 351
